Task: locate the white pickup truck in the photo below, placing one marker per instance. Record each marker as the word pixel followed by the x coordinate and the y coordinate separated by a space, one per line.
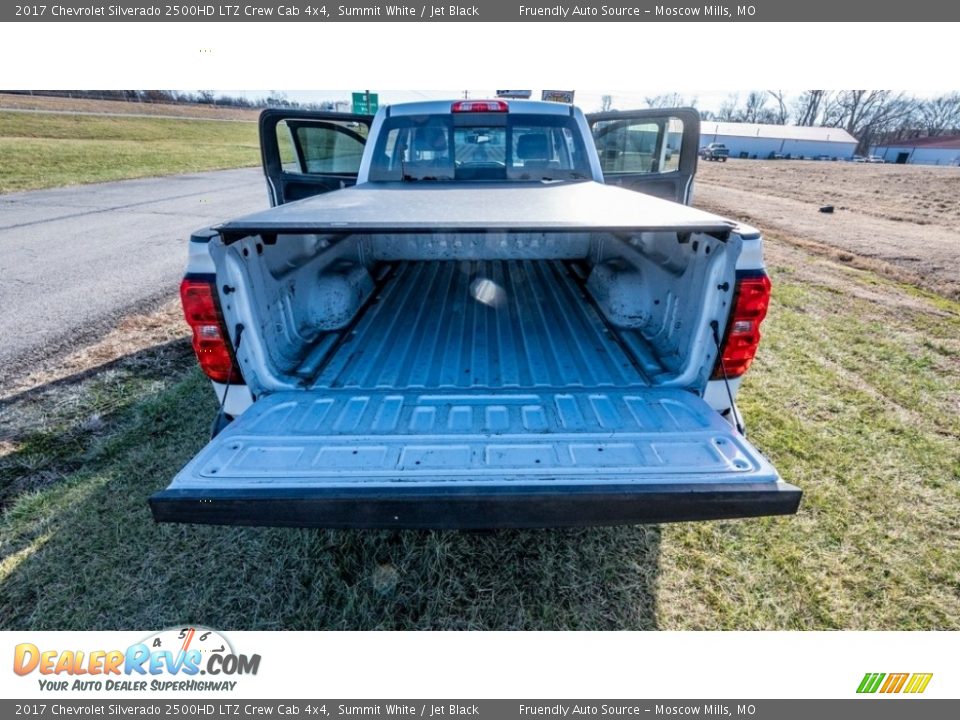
pixel 476 314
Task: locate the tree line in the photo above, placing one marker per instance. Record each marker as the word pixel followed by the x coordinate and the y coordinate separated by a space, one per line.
pixel 871 116
pixel 178 97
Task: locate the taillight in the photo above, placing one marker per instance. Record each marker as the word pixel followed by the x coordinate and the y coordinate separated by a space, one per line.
pixel 750 302
pixel 472 106
pixel 202 312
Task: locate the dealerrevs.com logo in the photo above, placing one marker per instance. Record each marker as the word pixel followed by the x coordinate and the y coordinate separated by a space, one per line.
pixel 172 659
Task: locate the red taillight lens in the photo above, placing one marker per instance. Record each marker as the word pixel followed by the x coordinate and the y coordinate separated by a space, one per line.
pixel 751 300
pixel 462 106
pixel 209 335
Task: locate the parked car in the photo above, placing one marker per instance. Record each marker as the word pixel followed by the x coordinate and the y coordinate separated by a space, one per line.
pixel 462 315
pixel 715 151
pixel 874 159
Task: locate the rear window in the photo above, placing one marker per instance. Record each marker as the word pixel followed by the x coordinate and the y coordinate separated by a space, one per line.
pixel 479 146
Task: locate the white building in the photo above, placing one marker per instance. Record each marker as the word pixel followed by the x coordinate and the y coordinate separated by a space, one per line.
pixel 762 141
pixel 921 151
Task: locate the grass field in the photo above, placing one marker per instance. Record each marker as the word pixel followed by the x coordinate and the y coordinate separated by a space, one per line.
pixel 854 397
pixel 88 105
pixel 50 150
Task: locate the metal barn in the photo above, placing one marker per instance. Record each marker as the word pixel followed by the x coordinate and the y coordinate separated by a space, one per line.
pixel 762 141
pixel 922 151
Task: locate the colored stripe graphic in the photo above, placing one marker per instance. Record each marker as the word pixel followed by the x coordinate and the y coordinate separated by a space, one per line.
pixel 895 683
pixel 918 682
pixel 870 682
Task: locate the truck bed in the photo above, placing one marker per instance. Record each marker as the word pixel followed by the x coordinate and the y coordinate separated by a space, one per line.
pixel 483 325
pixel 477 393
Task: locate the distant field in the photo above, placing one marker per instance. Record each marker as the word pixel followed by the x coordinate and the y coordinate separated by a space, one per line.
pixel 42 150
pixel 921 194
pixel 39 102
pixel 902 221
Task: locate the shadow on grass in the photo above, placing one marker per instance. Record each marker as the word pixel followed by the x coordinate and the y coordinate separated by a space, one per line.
pixel 155 361
pixel 83 552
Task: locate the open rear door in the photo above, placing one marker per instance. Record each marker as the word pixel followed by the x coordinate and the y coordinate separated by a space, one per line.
pixel 653 151
pixel 308 153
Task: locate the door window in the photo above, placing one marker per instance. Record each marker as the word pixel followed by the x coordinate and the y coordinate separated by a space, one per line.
pixel 313 147
pixel 639 146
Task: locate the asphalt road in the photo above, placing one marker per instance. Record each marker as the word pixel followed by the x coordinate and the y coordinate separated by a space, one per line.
pixel 74 260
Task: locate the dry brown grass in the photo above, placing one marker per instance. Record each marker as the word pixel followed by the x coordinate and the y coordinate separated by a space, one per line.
pixel 918 194
pixel 913 241
pixel 133 334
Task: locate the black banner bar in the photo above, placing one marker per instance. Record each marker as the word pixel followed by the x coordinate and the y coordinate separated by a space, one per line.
pixel 484 11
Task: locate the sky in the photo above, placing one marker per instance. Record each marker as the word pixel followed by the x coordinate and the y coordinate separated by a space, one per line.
pixel 588 100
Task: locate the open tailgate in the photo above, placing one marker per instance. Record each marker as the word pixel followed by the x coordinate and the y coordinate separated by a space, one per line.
pixel 419 459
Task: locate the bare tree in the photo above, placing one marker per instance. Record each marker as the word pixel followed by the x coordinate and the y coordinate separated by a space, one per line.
pixel 781 113
pixel 752 110
pixel 870 114
pixel 728 109
pixel 670 100
pixel 808 108
pixel 606 103
pixel 278 98
pixel 940 115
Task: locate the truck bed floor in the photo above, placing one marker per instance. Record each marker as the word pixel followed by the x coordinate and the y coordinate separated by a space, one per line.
pixel 484 325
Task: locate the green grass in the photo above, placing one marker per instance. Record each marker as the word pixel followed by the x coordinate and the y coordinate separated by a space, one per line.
pixel 50 150
pixel 854 399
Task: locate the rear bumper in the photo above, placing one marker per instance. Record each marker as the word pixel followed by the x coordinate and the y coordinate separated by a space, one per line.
pixel 468 508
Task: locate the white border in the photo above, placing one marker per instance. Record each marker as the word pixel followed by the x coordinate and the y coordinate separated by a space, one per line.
pixel 653 57
pixel 722 665
pixel 636 56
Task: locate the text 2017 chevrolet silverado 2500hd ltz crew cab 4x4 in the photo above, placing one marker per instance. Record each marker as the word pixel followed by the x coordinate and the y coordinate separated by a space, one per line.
pixel 476 314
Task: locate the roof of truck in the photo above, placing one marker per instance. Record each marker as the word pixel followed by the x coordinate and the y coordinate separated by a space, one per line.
pixel 478 207
pixel 439 107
